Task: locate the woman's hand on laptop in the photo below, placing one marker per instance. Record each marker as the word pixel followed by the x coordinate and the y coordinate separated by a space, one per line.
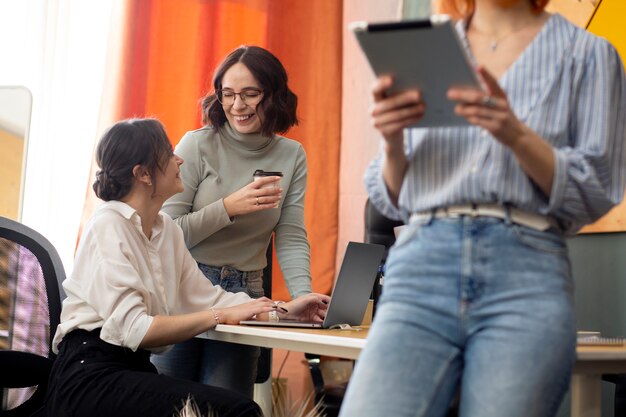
pixel 308 307
pixel 233 315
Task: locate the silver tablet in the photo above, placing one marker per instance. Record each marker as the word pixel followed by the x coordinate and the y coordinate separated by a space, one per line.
pixel 425 54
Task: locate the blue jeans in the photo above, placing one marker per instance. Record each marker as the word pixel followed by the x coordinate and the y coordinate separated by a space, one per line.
pixel 221 364
pixel 469 304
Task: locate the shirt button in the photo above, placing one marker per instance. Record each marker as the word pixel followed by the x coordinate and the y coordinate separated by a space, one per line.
pixel 83 361
pixel 484 134
pixel 84 343
pixel 474 169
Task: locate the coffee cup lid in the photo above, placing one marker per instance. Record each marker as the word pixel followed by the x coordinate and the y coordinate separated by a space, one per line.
pixel 261 173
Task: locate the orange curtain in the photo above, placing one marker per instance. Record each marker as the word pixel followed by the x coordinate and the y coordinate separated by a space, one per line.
pixel 171 48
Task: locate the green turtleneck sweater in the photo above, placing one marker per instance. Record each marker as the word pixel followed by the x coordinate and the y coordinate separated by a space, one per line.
pixel 220 163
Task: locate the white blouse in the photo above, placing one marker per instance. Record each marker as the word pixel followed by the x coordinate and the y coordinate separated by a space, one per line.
pixel 122 279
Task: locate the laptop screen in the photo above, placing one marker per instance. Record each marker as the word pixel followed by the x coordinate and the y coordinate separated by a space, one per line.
pixel 352 288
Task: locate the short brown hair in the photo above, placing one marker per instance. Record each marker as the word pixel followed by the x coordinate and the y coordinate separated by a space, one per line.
pixel 279 103
pixel 464 8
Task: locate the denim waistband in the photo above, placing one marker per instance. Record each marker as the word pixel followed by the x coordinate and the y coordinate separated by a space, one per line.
pixel 233 280
pixel 230 271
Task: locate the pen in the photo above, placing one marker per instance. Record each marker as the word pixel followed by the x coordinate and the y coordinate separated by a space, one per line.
pixel 276 305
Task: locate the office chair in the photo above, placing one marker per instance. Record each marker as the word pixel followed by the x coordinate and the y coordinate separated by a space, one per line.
pixel 30 308
pixel 379 229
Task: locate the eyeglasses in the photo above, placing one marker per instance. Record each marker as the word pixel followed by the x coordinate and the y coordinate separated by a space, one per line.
pixel 251 96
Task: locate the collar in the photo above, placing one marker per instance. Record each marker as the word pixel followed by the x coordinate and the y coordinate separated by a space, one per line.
pixel 131 214
pixel 246 141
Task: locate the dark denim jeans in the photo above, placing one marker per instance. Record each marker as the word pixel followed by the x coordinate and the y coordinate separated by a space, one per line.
pixel 234 280
pixel 221 364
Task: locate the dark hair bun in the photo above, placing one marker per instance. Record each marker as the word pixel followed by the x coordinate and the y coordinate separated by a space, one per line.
pixel 108 188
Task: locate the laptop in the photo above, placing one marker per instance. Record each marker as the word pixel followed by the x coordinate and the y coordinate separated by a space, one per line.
pixel 351 293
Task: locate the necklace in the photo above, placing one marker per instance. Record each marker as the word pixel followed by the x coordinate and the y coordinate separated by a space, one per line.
pixel 494 43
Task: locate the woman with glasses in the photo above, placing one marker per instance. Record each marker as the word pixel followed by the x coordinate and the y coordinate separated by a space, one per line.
pixel 478 295
pixel 227 218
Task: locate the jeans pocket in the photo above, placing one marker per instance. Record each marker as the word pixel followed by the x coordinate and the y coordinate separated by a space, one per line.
pixel 232 280
pixel 546 241
pixel 253 282
pixel 408 233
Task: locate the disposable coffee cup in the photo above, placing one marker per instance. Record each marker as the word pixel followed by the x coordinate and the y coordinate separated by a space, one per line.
pixel 259 173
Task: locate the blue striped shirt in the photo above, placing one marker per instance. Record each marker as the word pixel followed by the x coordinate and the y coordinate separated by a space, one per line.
pixel 568 86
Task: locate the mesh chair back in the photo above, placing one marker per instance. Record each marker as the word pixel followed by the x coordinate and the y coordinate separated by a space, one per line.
pixel 30 308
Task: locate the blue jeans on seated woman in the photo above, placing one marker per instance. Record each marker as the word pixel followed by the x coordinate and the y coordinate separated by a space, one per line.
pixel 221 364
pixel 475 304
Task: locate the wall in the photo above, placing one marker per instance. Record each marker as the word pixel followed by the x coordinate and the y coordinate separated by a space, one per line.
pixel 15 109
pixel 359 140
pixel 10 173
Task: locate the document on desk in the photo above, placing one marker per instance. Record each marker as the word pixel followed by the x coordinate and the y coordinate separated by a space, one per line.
pixel 601 341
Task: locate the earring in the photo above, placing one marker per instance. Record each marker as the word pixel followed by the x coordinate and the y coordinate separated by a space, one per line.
pixel 149 183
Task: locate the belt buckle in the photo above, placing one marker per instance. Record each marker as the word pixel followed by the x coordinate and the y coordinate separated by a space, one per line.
pixel 474 210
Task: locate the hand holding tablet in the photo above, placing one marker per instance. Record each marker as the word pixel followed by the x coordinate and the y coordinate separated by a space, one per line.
pixel 426 55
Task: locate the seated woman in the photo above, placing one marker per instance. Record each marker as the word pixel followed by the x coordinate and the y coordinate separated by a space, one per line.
pixel 135 290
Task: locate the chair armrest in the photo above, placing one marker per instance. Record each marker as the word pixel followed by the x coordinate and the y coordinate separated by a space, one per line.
pixel 23 369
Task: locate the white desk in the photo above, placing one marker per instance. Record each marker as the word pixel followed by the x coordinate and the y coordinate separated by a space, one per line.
pixel 338 343
pixel 591 362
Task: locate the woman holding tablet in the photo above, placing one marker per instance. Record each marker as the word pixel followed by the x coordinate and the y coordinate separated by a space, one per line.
pixel 478 290
pixel 136 290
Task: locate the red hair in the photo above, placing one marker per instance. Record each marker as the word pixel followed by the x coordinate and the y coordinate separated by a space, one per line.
pixel 463 8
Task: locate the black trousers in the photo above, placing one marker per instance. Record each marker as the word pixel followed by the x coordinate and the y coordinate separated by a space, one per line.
pixel 92 378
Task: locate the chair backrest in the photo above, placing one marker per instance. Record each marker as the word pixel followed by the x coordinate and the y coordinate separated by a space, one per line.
pixel 30 302
pixel 378 228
